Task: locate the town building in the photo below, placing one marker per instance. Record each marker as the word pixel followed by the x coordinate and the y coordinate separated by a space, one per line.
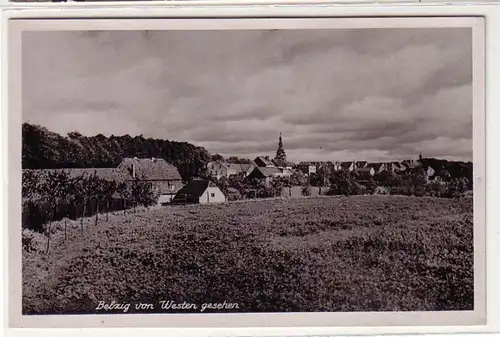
pixel 263 162
pixel 348 165
pixel 267 173
pixel 199 191
pixel 377 167
pixel 365 172
pixel 164 177
pixel 307 168
pixel 219 169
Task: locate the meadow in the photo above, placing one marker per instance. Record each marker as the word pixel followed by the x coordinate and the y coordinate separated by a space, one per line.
pixel 358 253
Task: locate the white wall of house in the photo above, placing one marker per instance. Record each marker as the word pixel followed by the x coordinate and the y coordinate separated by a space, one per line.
pixel 430 171
pixel 212 194
pixel 308 169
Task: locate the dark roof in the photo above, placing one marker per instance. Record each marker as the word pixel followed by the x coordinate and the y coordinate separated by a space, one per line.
pixel 376 166
pixel 361 164
pixel 150 169
pixel 265 161
pixel 395 164
pixel 346 164
pixel 363 170
pixel 239 167
pixel 427 167
pixel 192 191
pixel 266 171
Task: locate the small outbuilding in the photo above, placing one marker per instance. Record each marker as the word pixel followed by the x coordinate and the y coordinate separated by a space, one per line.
pixel 199 192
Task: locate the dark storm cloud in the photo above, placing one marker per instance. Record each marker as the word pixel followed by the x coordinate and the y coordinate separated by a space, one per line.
pixel 371 94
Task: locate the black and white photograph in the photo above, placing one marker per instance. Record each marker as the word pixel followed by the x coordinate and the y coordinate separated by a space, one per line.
pixel 273 169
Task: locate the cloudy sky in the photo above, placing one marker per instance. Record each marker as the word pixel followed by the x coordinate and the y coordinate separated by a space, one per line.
pixel 366 94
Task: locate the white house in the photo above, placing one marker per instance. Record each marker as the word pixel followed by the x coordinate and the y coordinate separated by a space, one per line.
pixel 199 192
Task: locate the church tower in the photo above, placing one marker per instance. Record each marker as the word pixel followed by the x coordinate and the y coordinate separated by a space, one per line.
pixel 280 153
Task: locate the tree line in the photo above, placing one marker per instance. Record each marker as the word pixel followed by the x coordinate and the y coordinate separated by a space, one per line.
pixel 43 149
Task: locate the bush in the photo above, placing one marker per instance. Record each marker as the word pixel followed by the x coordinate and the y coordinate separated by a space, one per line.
pixel 371 186
pixel 343 183
pixel 233 194
pixel 32 241
pixel 306 190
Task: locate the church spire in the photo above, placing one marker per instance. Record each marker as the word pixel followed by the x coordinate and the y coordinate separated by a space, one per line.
pixel 280 153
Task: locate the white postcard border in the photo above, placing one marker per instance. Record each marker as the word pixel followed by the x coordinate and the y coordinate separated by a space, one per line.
pixel 316 319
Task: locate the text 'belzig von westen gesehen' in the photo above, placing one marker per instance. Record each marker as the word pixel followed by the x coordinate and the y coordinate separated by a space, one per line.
pixel 163 305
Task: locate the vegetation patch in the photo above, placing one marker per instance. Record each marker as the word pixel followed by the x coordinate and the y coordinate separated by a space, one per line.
pixel 361 253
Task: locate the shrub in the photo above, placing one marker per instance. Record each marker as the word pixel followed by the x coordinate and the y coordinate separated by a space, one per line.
pixel 233 194
pixel 306 190
pixel 32 241
pixel 343 183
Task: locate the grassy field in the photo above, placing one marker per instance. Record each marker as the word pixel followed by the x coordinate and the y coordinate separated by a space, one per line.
pixel 363 253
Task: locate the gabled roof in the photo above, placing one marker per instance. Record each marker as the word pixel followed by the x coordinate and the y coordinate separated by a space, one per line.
pixel 396 164
pixel 363 170
pixel 150 169
pixel 195 188
pixel 239 167
pixel 192 191
pixel 361 164
pixel 346 164
pixel 264 160
pixel 268 171
pixel 376 166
